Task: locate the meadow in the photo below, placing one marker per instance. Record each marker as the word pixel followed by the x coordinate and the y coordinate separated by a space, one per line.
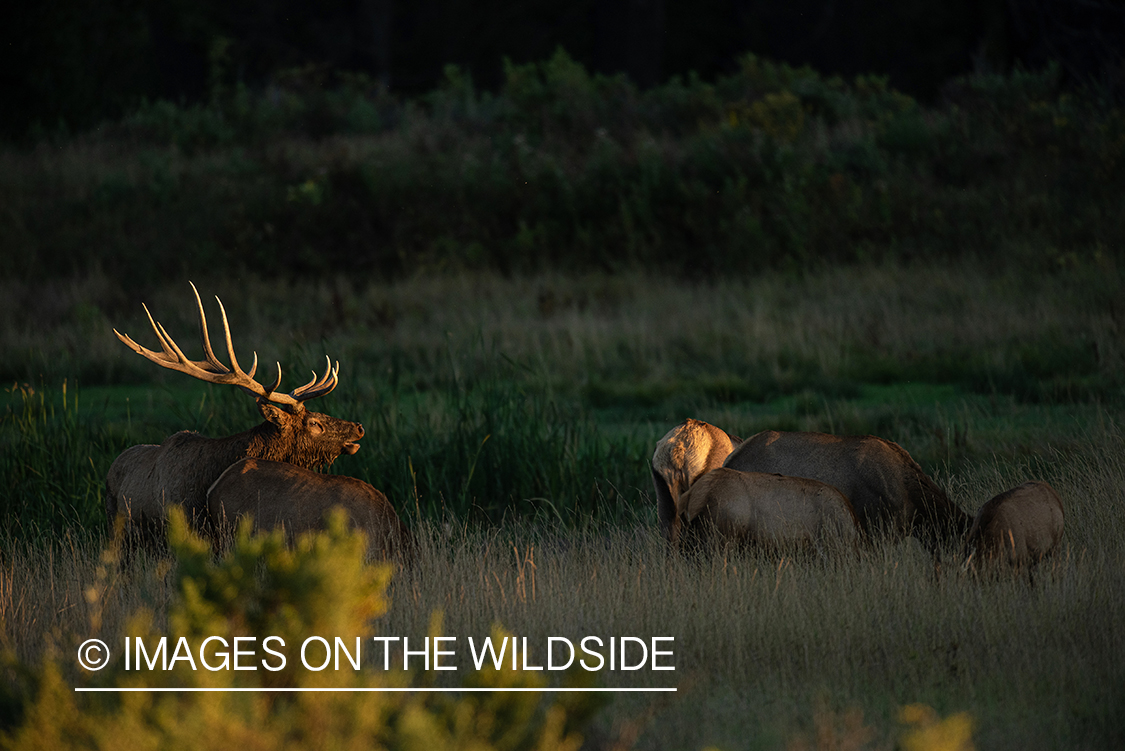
pixel 525 289
pixel 511 418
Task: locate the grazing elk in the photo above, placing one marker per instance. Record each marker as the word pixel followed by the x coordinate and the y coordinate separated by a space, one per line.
pixel 145 479
pixel 1020 526
pixel 765 510
pixel 277 494
pixel 887 488
pixel 682 456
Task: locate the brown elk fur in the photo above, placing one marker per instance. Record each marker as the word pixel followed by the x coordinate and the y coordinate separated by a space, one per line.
pixel 277 494
pixel 887 488
pixel 682 456
pixel 1018 527
pixel 145 479
pixel 766 510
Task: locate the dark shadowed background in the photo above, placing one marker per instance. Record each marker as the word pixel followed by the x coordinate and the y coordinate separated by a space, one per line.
pixel 75 62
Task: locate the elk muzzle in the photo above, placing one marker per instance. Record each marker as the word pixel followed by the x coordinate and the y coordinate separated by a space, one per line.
pixel 350 447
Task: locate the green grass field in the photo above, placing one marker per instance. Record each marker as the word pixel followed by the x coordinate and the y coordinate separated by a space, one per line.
pixel 511 421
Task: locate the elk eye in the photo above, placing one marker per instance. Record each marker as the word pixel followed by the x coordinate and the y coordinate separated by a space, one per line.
pixel 315 426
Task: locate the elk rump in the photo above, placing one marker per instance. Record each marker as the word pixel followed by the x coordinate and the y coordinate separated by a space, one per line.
pixel 1020 526
pixel 682 456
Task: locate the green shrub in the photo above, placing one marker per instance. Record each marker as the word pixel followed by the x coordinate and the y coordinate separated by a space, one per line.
pixel 263 588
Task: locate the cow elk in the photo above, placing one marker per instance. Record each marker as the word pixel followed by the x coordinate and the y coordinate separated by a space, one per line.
pixel 146 479
pixel 682 456
pixel 887 488
pixel 767 511
pixel 279 495
pixel 1018 527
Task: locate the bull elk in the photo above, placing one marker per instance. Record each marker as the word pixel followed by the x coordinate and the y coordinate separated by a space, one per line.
pixel 1019 527
pixel 682 456
pixel 145 479
pixel 276 494
pixel 769 511
pixel 887 488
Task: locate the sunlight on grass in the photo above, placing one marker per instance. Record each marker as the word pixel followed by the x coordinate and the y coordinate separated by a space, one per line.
pixel 511 420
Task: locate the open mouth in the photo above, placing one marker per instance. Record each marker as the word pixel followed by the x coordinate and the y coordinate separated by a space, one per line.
pixel 351 447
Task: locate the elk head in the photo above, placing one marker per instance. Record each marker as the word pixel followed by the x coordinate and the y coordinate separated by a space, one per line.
pixel 291 432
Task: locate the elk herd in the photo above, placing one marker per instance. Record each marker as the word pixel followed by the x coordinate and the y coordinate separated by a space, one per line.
pixel 827 492
pixel 775 490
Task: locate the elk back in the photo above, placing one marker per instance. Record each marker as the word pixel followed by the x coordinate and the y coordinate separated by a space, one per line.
pixel 886 487
pixel 769 511
pixel 277 494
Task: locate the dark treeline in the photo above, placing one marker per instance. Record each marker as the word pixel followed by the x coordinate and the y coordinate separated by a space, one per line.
pixel 770 166
pixel 74 63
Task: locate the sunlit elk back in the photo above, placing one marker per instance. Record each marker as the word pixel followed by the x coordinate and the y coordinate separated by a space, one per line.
pixel 276 494
pixel 1017 528
pixel 766 511
pixel 682 456
pixel 888 490
pixel 146 479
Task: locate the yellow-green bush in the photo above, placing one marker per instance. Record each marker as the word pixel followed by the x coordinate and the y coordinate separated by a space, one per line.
pixel 262 588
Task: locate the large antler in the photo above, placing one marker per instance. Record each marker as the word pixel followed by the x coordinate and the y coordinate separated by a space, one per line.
pixel 213 371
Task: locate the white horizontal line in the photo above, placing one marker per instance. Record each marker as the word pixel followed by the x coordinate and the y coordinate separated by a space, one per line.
pixel 369 690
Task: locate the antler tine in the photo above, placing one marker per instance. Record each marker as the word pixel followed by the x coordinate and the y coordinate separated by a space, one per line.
pixel 211 369
pixel 156 357
pixel 318 386
pixel 143 352
pixel 180 356
pixel 173 357
pixel 274 386
pixel 230 345
pixel 203 335
pixel 161 337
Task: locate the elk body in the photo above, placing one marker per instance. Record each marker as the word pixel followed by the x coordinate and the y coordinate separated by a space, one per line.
pixel 766 510
pixel 682 456
pixel 1018 527
pixel 144 480
pixel 887 489
pixel 277 494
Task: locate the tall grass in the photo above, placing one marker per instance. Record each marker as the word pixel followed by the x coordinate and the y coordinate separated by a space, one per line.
pixel 262 590
pixel 1038 336
pixel 489 396
pixel 485 396
pixel 763 647
pixel 760 642
pixel 511 421
pixel 53 465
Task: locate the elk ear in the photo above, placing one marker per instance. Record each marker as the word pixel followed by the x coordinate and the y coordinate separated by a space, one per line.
pixel 273 413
